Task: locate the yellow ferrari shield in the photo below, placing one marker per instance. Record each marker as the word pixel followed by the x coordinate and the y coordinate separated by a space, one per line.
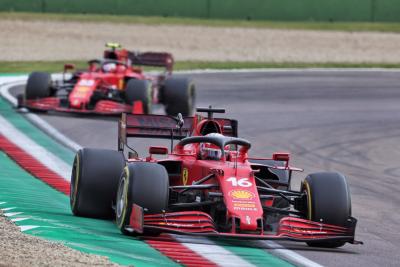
pixel 185 176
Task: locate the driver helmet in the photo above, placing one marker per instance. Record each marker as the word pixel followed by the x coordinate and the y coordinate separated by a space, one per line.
pixel 109 67
pixel 210 151
pixel 121 68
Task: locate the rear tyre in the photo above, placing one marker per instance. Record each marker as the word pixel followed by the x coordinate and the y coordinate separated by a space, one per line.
pixel 94 182
pixel 328 201
pixel 179 95
pixel 38 85
pixel 139 90
pixel 144 184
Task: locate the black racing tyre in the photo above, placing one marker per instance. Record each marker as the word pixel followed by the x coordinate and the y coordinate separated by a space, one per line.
pixel 179 96
pixel 38 85
pixel 328 201
pixel 145 184
pixel 139 90
pixel 94 182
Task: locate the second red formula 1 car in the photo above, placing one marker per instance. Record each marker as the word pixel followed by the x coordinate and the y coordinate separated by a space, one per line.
pixel 112 85
pixel 207 185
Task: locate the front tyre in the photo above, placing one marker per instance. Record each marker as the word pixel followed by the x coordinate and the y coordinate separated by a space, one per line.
pixel 38 85
pixel 94 181
pixel 144 184
pixel 328 201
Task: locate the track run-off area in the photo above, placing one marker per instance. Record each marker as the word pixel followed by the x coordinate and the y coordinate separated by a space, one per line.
pixel 341 120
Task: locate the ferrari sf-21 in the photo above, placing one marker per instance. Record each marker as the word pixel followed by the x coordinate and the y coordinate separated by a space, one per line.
pixel 112 85
pixel 207 184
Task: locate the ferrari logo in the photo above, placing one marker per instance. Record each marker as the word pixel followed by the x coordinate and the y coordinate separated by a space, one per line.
pixel 185 175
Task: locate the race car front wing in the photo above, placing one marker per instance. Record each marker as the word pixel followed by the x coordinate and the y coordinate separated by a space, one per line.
pixel 200 223
pixel 102 107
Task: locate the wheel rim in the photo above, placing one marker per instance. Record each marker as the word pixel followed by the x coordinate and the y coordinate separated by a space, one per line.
pixel 74 181
pixel 72 185
pixel 307 190
pixel 121 197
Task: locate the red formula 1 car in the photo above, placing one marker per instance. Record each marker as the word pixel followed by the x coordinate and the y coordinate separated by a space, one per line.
pixel 207 185
pixel 112 85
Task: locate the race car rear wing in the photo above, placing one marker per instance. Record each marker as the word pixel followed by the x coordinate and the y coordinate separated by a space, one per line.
pixel 151 126
pixel 156 59
pixel 164 127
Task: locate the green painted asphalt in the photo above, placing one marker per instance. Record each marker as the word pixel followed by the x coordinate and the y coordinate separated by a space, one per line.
pixel 26 127
pixel 49 209
pixel 12 74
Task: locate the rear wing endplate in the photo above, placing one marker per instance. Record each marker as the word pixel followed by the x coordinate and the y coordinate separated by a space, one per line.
pixel 156 59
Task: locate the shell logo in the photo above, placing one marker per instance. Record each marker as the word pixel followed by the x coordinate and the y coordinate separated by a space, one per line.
pixel 241 194
pixel 83 89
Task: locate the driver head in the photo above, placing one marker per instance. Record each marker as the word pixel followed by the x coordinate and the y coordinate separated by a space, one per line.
pixel 109 67
pixel 210 151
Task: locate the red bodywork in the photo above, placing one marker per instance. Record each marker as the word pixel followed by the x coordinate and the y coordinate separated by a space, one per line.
pixel 231 182
pixel 83 85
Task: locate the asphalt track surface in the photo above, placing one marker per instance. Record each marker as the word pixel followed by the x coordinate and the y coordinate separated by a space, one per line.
pixel 329 120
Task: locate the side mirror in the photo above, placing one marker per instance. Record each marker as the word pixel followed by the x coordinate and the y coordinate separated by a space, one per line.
pixel 158 150
pixel 133 155
pixel 281 156
pixel 69 67
pixel 66 68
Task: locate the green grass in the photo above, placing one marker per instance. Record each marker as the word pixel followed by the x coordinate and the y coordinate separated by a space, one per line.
pixel 308 25
pixel 29 66
pixel 57 66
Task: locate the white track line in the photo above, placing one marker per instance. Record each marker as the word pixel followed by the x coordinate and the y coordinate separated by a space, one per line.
pixel 20 219
pixel 27 227
pixel 218 255
pixel 45 157
pixel 289 255
pixel 10 214
pixel 42 124
pixel 4 89
pixel 53 132
pixel 7 209
pixel 211 251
